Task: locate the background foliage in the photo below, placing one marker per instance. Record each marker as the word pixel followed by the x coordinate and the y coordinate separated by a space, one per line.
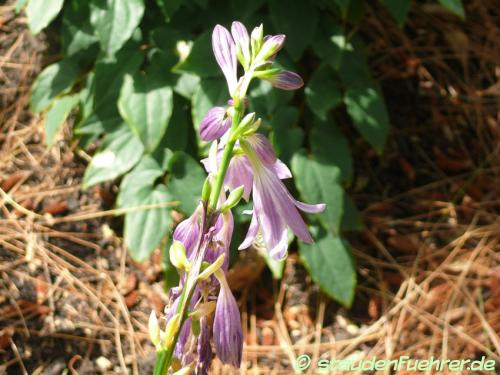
pixel 139 76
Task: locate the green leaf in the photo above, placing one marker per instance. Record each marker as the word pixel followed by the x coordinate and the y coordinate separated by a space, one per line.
pixel 331 266
pixel 323 92
pixel 454 6
pixel 201 60
pixel 146 106
pixel 319 183
pixel 143 176
pixel 119 152
pixel 287 137
pixel 351 218
pixel 77 33
pixel 115 21
pixel 55 79
pixel 186 181
pixel 176 136
pixel 186 85
pixel 56 116
pixel 144 229
pixel 210 92
pixel 363 97
pixel 110 72
pixel 330 146
pixel 169 7
pixel 297 20
pixel 399 9
pixel 41 12
pixel 367 109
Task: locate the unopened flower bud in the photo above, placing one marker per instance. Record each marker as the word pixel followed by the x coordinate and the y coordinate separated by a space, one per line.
pixel 270 47
pixel 240 36
pixel 178 258
pixel 207 189
pixel 256 40
pixel 154 329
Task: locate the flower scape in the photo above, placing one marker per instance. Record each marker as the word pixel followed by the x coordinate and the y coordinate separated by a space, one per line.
pixel 241 164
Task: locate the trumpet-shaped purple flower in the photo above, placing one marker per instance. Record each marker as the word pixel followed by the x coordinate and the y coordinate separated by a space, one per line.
pixel 274 207
pixel 215 123
pixel 228 336
pixel 225 53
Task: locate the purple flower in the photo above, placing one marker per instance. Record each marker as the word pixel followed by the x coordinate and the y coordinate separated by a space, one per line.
pixel 225 53
pixel 188 232
pixel 228 336
pixel 285 80
pixel 214 124
pixel 274 207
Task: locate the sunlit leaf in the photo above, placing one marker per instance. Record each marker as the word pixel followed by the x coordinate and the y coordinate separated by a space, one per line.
pixel 41 12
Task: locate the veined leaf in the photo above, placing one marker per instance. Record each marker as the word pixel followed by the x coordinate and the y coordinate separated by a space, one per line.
pixel 331 266
pixel 119 152
pixel 115 21
pixel 146 106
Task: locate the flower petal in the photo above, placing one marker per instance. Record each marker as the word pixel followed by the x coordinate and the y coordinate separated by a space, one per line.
pixel 262 147
pixel 281 170
pixel 239 173
pixel 253 229
pixel 310 208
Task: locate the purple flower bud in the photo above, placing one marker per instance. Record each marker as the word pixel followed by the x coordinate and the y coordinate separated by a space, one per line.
pixel 214 124
pixel 242 40
pixel 225 53
pixel 271 47
pixel 228 336
pixel 286 80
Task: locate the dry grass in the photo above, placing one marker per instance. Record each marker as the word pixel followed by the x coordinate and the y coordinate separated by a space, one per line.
pixel 429 260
